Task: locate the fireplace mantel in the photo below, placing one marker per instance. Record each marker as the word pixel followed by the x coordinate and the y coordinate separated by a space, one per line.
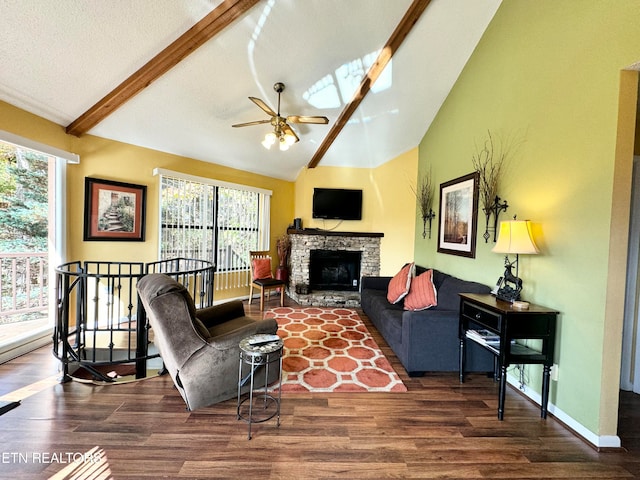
pixel 318 231
pixel 305 240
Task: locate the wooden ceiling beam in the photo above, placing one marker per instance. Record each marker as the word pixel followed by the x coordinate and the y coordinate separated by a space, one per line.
pixel 410 18
pixel 210 25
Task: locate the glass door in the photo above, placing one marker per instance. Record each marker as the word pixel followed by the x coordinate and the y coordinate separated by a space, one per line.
pixel 27 216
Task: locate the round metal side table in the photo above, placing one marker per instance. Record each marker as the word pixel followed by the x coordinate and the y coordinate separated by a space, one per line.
pixel 258 353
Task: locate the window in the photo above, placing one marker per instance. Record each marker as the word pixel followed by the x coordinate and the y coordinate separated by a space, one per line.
pixel 32 204
pixel 211 220
pixel 237 227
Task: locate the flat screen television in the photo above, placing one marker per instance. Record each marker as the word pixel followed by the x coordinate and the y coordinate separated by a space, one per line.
pixel 337 203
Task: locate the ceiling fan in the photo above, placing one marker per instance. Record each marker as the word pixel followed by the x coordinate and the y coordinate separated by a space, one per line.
pixel 282 132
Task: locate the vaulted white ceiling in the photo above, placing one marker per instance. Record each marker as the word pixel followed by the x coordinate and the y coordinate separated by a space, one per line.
pixel 60 57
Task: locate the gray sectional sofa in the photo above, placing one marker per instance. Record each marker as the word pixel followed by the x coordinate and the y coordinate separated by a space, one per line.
pixel 426 340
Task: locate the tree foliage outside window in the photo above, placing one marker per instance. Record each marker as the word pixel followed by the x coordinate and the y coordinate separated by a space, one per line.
pixel 24 204
pixel 209 222
pixel 237 227
pixel 24 217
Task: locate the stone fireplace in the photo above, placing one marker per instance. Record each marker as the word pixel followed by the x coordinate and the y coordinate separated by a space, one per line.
pixel 326 266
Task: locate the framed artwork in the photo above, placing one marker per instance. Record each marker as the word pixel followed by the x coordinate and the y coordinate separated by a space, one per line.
pixel 458 221
pixel 114 211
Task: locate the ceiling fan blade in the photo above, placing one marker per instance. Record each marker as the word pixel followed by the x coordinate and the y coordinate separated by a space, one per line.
pixel 248 124
pixel 306 119
pixel 289 131
pixel 263 106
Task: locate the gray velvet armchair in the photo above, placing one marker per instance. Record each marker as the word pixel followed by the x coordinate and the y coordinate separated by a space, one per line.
pixel 200 348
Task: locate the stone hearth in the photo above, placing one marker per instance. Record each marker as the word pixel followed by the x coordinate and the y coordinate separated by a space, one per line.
pixel 303 241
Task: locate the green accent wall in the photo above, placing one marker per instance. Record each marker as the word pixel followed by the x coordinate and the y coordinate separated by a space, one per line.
pixel 548 73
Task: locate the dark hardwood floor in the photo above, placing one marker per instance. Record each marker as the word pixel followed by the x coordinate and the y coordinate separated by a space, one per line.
pixel 438 429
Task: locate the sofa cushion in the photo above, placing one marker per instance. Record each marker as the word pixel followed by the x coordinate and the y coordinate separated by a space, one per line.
pixel 438 276
pixel 386 317
pixel 377 300
pixel 422 293
pixel 400 283
pixel 231 326
pixel 448 298
pixel 390 327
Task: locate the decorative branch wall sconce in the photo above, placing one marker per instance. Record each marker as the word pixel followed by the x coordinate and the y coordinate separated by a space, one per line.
pixel 494 209
pixel 489 161
pixel 424 199
pixel 428 216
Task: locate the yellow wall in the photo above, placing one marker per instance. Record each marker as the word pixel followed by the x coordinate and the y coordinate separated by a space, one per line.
pixel 110 160
pixel 551 77
pixel 389 204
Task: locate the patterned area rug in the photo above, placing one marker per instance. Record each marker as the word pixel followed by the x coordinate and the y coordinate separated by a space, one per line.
pixel 331 350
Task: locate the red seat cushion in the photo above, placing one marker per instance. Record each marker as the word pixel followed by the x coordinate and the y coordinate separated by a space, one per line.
pixel 261 268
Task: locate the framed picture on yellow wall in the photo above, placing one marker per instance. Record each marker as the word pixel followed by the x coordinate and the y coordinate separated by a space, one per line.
pixel 459 216
pixel 114 211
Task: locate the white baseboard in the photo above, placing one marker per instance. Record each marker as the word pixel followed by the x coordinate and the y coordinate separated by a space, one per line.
pixel 242 298
pixel 598 441
pixel 24 345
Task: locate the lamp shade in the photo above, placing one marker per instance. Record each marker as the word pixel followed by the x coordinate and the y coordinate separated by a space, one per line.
pixel 515 237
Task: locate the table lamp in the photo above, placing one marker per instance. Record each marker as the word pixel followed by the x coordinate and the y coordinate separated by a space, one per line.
pixel 514 238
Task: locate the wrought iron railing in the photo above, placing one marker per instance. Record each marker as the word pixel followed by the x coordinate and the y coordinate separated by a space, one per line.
pixel 182 269
pixel 99 317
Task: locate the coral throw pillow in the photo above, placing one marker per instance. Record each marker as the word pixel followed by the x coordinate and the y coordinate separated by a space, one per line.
pixel 422 294
pixel 261 268
pixel 399 285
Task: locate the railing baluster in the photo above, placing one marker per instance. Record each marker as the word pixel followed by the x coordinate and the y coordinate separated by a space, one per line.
pixel 14 302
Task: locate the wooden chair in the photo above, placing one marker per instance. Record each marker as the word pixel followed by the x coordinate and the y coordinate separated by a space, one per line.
pixel 267 283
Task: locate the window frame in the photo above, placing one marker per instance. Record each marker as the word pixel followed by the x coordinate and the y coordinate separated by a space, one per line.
pixel 262 227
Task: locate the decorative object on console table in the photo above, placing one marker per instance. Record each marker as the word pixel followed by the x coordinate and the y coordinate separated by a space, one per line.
pixel 515 237
pixel 459 216
pixel 483 312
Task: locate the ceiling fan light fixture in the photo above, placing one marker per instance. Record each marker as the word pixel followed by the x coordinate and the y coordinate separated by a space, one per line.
pixel 284 145
pixel 289 139
pixel 269 139
pixel 282 132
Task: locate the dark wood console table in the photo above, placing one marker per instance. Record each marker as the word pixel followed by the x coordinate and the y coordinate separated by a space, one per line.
pixel 508 324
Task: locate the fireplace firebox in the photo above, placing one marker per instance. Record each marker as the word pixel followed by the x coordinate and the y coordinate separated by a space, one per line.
pixel 334 270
